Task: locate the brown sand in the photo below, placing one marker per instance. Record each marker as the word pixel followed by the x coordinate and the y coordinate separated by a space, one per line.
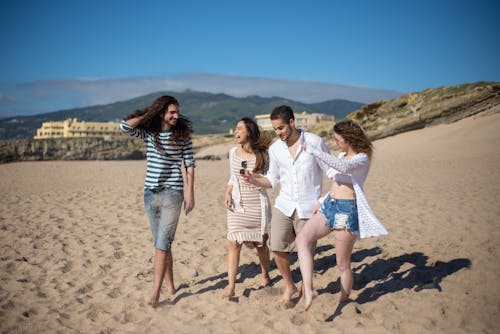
pixel 76 252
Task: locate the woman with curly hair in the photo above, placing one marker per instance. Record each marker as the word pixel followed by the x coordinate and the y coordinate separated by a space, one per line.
pixel 167 135
pixel 345 210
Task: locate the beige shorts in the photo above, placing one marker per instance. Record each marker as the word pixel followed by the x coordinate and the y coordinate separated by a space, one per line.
pixel 284 229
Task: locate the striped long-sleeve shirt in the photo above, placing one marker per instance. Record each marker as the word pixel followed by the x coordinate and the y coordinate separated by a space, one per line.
pixel 163 168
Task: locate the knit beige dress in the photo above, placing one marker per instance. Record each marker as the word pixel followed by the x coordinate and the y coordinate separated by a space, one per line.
pixel 247 223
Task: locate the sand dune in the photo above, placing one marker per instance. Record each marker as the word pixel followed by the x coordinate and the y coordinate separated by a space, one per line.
pixel 76 252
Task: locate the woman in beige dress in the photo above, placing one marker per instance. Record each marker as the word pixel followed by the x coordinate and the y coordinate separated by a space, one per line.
pixel 248 206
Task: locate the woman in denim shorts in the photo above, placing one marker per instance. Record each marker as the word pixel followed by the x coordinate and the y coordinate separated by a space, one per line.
pixel 345 210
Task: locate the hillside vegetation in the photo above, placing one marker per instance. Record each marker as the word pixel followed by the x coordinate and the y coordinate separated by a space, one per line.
pixel 210 113
pixel 432 106
pixel 380 119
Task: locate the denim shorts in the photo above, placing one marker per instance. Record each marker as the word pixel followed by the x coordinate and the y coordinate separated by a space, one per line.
pixel 163 207
pixel 341 214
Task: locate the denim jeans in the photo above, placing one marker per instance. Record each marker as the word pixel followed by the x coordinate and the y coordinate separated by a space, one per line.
pixel 163 207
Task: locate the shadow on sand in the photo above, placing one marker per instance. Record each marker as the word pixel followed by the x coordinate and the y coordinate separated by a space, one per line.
pixel 386 272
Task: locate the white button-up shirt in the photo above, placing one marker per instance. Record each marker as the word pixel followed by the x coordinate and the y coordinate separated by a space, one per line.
pixel 301 177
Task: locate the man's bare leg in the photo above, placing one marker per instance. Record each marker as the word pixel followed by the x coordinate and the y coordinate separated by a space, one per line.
pixel 169 273
pixel 158 275
pixel 282 260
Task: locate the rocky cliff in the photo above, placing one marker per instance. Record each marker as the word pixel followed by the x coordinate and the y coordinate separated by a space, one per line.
pixel 118 148
pixel 432 106
pixel 71 149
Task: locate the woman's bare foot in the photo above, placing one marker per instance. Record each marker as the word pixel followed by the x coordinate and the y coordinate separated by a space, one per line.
pixel 154 301
pixel 286 299
pixel 228 293
pixel 308 299
pixel 171 290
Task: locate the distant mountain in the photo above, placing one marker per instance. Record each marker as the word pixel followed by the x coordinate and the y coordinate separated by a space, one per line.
pixel 210 113
pixel 218 111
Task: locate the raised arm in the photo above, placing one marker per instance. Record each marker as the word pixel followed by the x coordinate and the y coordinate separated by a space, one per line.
pixel 130 126
pixel 343 166
pixel 134 122
pixel 322 164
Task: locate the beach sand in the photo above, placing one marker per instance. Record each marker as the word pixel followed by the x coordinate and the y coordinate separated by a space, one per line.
pixel 76 250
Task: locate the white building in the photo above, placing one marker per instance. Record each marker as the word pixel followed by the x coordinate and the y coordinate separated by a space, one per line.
pixel 302 120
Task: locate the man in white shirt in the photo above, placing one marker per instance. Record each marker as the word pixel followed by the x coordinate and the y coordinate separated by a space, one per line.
pixel 301 178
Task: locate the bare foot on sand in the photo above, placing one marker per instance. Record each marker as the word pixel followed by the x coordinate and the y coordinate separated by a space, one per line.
pixel 154 301
pixel 286 299
pixel 308 299
pixel 171 290
pixel 228 293
pixel 265 280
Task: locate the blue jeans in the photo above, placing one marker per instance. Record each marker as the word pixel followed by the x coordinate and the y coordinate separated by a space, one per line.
pixel 341 214
pixel 163 207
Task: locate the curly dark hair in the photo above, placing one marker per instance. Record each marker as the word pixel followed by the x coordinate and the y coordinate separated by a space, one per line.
pixel 355 136
pixel 259 141
pixel 152 120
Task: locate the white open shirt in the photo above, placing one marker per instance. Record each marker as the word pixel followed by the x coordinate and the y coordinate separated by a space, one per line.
pixel 301 177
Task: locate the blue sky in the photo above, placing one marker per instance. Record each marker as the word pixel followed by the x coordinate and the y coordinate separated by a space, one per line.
pixel 49 48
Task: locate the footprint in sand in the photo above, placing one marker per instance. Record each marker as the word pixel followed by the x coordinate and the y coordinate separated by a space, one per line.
pixel 115 293
pixel 122 318
pixel 7 305
pixel 92 314
pixel 40 294
pixel 116 244
pixel 67 266
pixel 118 255
pixel 85 289
pixel 297 319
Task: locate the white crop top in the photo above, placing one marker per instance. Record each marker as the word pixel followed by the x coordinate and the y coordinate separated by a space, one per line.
pixel 339 177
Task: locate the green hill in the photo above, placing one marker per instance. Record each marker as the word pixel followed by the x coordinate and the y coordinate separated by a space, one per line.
pixel 210 113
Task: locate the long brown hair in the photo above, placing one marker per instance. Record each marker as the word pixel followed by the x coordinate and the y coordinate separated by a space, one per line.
pixel 259 142
pixel 354 135
pixel 152 120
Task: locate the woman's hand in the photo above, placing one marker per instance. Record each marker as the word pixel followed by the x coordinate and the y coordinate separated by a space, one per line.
pixel 256 179
pixel 228 201
pixel 252 178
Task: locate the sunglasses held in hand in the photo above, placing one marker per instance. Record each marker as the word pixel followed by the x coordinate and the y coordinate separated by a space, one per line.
pixel 243 167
